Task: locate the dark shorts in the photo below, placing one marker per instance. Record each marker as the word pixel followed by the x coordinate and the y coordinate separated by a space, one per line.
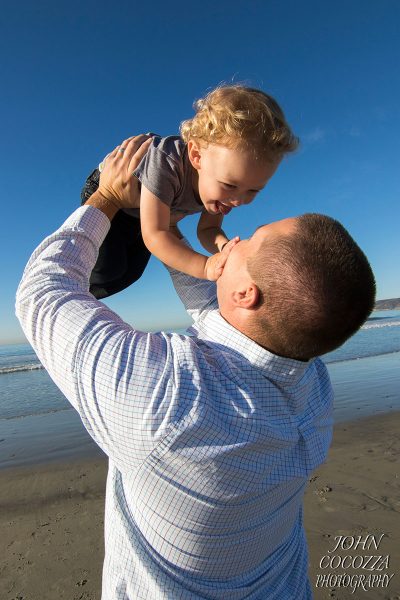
pixel 123 255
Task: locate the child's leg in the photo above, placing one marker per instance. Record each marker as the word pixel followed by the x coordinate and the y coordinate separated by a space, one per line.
pixel 122 258
pixel 123 255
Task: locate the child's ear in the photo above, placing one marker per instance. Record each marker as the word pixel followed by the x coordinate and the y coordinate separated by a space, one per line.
pixel 194 153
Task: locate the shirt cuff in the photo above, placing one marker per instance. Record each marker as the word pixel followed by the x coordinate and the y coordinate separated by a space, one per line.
pixel 91 220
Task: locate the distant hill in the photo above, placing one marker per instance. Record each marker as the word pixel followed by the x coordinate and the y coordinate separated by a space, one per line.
pixel 390 304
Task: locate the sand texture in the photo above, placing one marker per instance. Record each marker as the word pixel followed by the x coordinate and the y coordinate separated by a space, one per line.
pixel 51 518
pixel 357 493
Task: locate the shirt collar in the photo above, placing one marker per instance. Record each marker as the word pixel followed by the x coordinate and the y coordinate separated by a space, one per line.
pixel 212 327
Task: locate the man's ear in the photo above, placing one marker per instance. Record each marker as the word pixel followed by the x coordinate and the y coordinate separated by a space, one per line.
pixel 194 153
pixel 247 297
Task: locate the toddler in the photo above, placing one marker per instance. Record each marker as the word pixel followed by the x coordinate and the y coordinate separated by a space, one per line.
pixel 224 156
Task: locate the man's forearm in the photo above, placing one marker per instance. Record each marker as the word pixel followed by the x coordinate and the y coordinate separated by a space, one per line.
pixel 102 203
pixel 53 301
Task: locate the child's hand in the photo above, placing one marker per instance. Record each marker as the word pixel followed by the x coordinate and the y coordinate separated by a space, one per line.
pixel 215 264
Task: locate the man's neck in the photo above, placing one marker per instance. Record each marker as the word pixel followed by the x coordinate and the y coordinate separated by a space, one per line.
pixel 248 329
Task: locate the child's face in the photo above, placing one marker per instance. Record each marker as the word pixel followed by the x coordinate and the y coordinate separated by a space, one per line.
pixel 228 177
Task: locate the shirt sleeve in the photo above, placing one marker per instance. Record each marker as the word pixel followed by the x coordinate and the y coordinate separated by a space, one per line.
pixel 197 295
pixel 121 381
pixel 161 169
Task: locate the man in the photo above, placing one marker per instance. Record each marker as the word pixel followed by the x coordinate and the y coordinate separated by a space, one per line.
pixel 211 438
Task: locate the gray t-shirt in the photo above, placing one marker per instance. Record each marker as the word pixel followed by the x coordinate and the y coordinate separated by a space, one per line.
pixel 166 171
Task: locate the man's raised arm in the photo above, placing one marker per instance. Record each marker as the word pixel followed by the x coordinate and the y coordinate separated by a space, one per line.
pixel 107 370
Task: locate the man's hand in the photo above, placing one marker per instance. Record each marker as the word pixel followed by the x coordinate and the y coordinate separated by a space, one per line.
pixel 215 264
pixel 118 187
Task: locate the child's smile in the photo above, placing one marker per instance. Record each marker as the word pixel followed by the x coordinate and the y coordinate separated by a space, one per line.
pixel 227 177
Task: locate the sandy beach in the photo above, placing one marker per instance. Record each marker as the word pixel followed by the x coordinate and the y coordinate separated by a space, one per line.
pixel 357 494
pixel 51 519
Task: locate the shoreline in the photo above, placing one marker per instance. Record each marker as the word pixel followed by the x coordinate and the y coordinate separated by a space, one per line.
pixel 363 387
pixel 51 515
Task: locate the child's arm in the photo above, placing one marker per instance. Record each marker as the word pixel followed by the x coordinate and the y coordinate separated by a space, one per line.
pixel 210 234
pixel 155 222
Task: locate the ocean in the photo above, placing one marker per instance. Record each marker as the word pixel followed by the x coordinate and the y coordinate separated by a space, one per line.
pixel 37 424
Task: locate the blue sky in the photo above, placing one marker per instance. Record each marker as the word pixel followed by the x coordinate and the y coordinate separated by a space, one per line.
pixel 78 77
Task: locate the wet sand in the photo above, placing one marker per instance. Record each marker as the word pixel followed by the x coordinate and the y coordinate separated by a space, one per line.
pixel 51 519
pixel 356 495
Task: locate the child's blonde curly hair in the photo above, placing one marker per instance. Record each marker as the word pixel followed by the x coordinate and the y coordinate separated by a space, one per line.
pixel 237 116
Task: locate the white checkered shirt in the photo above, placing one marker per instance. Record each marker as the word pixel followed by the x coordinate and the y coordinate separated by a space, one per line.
pixel 210 438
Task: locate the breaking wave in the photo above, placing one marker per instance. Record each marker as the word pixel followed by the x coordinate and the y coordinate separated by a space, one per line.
pixel 16 368
pixel 376 325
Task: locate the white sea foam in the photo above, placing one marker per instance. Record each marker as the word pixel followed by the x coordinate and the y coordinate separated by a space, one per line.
pixel 380 325
pixel 16 368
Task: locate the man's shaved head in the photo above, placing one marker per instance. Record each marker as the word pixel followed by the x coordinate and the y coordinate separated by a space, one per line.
pixel 316 288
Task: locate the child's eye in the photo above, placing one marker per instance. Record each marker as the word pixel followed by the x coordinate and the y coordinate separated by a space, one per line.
pixel 230 186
